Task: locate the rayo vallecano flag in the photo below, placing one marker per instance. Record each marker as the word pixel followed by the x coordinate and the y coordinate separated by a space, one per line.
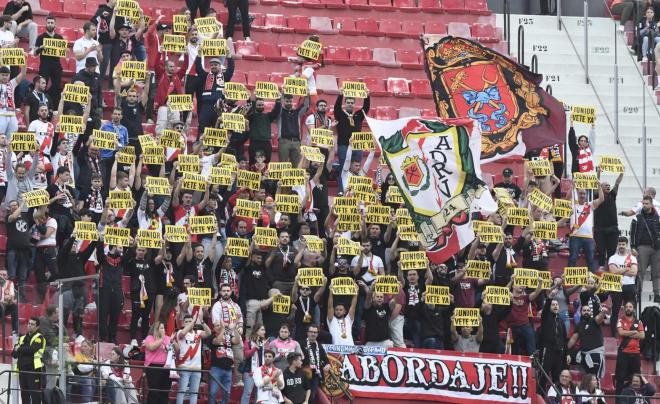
pixel 437 166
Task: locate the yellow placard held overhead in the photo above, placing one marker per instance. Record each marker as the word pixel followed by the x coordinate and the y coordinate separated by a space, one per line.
pixel 295 86
pixel 312 154
pixel 344 204
pixel 248 179
pixel 117 236
pixel 408 233
pixel 23 142
pixel 234 122
pixel 214 47
pixel 611 164
pixel 310 277
pixel 343 286
pixel 215 137
pixel 104 139
pixel 176 234
pixel 322 137
pixel 129 9
pixel 314 243
pixel 310 49
pixel 275 169
pixel 585 181
pixel 378 214
pixel 354 89
pixel 199 296
pixel 562 208
pixel 583 114
pixel 610 282
pixel 265 237
pixel 207 25
pixel 172 139
pixel 281 304
pixel 149 238
pixel 478 269
pixel 413 260
pixel 174 43
pixel 134 70
pixel 153 155
pixel 220 176
pixel 12 57
pixel 236 91
pixel 517 217
pixel 387 284
pixel 393 195
pixel 527 278
pixel 491 234
pixel 287 204
pixel 464 317
pixel 247 208
pixel 545 230
pixel 126 155
pixel 189 163
pixel 266 90
pixel 498 295
pixel 158 186
pixel 546 283
pixel 76 93
pixel 293 177
pixel 193 182
pixel 86 231
pixel 348 222
pixel 180 102
pixel 54 47
pixel 437 295
pixel 71 124
pixel 180 24
pixel 347 247
pixel 574 276
pixel 146 140
pixel 203 224
pixel 36 198
pixel 540 168
pixel 362 141
pixel 237 247
pixel 121 199
pixel 541 200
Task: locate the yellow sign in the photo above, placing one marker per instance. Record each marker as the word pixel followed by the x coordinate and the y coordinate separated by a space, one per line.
pixel 343 286
pixel 464 317
pixel 172 139
pixel 437 295
pixel 117 236
pixel 478 269
pixel 583 114
pixel 146 140
pixel 562 208
pixel 491 233
pixel 248 179
pixel 180 25
pixel 403 217
pixel 387 284
pixel 295 86
pixel 149 239
pixel 129 9
pixel 347 247
pixel 54 47
pixel 71 124
pixel 214 47
pixel 378 214
pixel 281 304
pixel 498 295
pixel 207 25
pixel 220 176
pixel 266 90
pixel 413 260
pixel 86 231
pixel 237 247
pixel 611 164
pixel 362 141
pixel 545 230
pixel 540 168
pixel 322 137
pixel 134 70
pixel 310 49
pixel 287 203
pixel 345 204
pixel 236 91
pixel 36 198
pixel 314 243
pixel 176 234
pixel 528 278
pixel 203 224
pixel 12 57
pixel 189 163
pixel 180 102
pixel 574 276
pixel 104 139
pixel 234 122
pixel 275 169
pixel 585 180
pixel 153 155
pixel 246 208
pixel 517 217
pixel 121 199
pixel 312 154
pixel 174 43
pixel 214 137
pixel 265 237
pixel 348 222
pixel 310 277
pixel 76 93
pixel 477 225
pixel 193 182
pixel 354 89
pixel 293 177
pixel 546 283
pixel 610 282
pixel 408 233
pixel 393 195
pixel 23 142
pixel 126 155
pixel 541 200
pixel 199 296
pixel 158 186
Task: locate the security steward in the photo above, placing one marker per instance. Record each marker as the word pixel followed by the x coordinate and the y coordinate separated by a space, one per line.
pixel 28 351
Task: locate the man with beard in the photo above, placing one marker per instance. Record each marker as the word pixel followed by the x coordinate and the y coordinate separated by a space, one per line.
pixel 268 380
pixel 631 332
pixel 319 119
pixel 227 312
pixel 196 264
pixel 348 121
pixel 504 257
pixel 260 128
pixel 284 261
pixel 625 264
pixel 644 241
pixel 50 67
pixel 256 282
pixel 43 130
pixel 111 296
pixel 315 360
pixel 553 339
pixel 141 270
pixel 606 225
pixel 212 85
pixel 132 110
pixel 377 316
pixel 288 126
pixel 590 334
pixel 167 83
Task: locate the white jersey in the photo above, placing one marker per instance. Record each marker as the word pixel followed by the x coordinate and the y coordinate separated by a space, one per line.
pixel 582 220
pixel 341 330
pixel 624 261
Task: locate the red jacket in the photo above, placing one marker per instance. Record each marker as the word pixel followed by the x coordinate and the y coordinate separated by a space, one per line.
pixel 151 43
pixel 165 85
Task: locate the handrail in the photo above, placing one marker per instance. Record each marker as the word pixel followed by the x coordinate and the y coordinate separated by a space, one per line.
pixel 534 64
pixel 521 44
pixel 507 26
pixel 548 89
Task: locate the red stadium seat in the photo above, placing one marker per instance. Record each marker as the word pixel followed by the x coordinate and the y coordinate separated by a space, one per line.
pixel 338 4
pixel 391 28
pixel 327 84
pixel 368 26
pixel 247 50
pixel 479 7
pixel 405 5
pixel 346 26
pixel 300 24
pixel 70 34
pixel 398 87
pixel 253 77
pixel 386 112
pixel 270 2
pixel 313 4
pixel 271 52
pixel 322 25
pixel 405 112
pixel 259 23
pixel 51 5
pixel 484 33
pixel 412 29
pixel 454 6
pixel 74 9
pixel 276 23
pixel 337 55
pixel 238 77
pixel 33 64
pixel 459 29
pixel 289 51
pixel 435 27
pixel 278 78
pixel 25 311
pixel 292 3
pixel 421 88
pixel 376 86
pixel 385 57
pixel 383 5
pixel 430 6
pixel 358 4
pixel 362 57
pixel 408 59
pixel 427 113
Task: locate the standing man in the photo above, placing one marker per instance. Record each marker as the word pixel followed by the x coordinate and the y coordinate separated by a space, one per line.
pixel 108 156
pixel 349 121
pixel 132 111
pixel 625 264
pixel 8 121
pixel 22 24
pixel 631 332
pixel 645 244
pixel 189 339
pixel 28 352
pixel 553 339
pixel 260 134
pixel 212 86
pixel 315 358
pixel 268 380
pixel 288 126
pixel 50 67
pixel 296 386
pixel 87 47
pixel 582 228
pixel 606 225
pixel 514 190
pixel 590 334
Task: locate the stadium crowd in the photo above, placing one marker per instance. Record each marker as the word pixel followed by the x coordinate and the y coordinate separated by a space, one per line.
pixel 244 337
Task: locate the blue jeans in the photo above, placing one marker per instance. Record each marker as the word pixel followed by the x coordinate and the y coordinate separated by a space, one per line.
pixel 248 386
pixel 84 384
pixel 413 329
pixel 575 244
pixel 188 384
pixel 18 264
pixel 432 343
pixel 219 378
pixel 523 334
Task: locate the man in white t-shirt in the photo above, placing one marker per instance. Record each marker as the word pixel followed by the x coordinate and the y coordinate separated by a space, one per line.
pixel 625 264
pixel 7 38
pixel 340 321
pixel 87 47
pixel 189 339
pixel 318 119
pixel 581 236
pixel 650 191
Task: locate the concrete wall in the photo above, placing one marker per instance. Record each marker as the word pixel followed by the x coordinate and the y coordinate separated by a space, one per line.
pixel 569 7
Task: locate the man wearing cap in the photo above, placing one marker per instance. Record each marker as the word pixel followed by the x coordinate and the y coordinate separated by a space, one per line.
pixel 124 41
pixel 87 47
pixel 514 190
pixel 102 20
pixel 8 122
pixel 22 24
pixel 50 67
pixel 90 76
pixel 212 86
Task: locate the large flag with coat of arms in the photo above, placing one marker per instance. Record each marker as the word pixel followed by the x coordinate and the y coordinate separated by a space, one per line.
pixel 437 166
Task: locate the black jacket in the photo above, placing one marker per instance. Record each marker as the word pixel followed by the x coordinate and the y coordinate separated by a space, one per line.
pixel 645 230
pixel 552 331
pixel 24 352
pixel 93 81
pixel 344 128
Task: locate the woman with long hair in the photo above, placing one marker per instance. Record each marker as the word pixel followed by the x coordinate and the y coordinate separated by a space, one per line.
pixel 83 372
pixel 156 347
pixel 118 380
pixel 588 391
pixel 254 358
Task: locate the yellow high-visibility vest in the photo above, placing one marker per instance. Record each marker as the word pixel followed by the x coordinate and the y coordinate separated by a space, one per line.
pixel 38 364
